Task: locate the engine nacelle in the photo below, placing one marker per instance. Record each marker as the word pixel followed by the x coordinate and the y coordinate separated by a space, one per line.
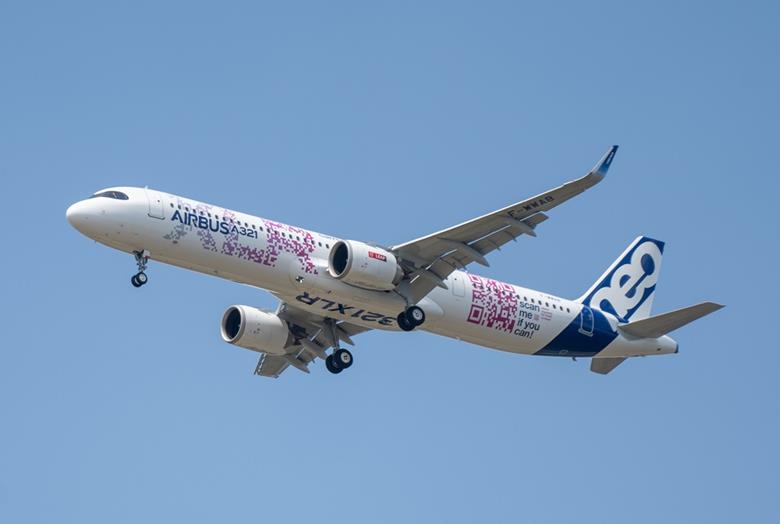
pixel 364 266
pixel 251 328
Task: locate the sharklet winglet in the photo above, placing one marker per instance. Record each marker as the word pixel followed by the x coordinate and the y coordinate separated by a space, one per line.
pixel 601 168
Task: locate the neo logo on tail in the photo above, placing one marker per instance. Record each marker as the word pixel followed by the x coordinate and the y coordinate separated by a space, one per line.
pixel 627 288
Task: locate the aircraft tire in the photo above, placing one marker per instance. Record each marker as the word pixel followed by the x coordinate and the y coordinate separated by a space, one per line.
pixel 331 365
pixel 415 315
pixel 343 358
pixel 403 322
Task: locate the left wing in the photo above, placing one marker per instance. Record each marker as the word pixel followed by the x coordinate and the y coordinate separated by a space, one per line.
pixel 432 258
pixel 312 335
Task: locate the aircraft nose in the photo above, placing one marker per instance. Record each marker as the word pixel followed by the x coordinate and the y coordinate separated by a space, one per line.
pixel 83 216
pixel 77 214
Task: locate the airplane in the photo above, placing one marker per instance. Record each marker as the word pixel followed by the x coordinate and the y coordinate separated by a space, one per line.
pixel 332 289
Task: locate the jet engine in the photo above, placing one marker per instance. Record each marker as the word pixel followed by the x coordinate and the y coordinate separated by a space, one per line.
pixel 251 328
pixel 364 266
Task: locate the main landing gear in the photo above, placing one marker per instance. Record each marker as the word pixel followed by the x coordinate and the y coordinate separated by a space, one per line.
pixel 341 358
pixel 140 278
pixel 338 361
pixel 411 318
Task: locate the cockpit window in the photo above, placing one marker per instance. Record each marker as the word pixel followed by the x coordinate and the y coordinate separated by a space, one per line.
pixel 111 194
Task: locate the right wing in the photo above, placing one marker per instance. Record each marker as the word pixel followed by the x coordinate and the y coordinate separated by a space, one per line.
pixel 432 258
pixel 312 336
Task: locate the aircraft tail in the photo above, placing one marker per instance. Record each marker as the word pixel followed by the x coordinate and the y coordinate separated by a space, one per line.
pixel 654 327
pixel 627 288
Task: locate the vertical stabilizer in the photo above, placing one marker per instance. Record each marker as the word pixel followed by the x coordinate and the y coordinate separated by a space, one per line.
pixel 627 288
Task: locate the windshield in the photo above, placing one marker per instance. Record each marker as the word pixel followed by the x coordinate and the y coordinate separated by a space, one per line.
pixel 111 194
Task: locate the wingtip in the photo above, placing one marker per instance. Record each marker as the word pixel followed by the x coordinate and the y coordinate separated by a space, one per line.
pixel 602 166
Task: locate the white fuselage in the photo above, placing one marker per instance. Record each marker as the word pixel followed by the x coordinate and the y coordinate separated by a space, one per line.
pixel 291 263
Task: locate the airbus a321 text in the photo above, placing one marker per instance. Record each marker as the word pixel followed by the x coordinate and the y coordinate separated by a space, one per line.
pixel 331 290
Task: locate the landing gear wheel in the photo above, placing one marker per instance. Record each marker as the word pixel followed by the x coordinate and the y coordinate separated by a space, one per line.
pixel 141 258
pixel 415 315
pixel 343 358
pixel 332 366
pixel 403 322
pixel 139 279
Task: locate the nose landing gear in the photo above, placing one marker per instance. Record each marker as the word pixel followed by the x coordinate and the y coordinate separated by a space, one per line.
pixel 140 278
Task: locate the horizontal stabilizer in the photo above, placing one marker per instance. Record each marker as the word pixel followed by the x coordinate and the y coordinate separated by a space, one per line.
pixel 602 366
pixel 659 325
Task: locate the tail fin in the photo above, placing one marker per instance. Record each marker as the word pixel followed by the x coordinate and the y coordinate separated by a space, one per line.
pixel 627 288
pixel 659 325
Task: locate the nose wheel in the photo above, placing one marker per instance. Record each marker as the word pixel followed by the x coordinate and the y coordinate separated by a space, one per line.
pixel 411 318
pixel 140 278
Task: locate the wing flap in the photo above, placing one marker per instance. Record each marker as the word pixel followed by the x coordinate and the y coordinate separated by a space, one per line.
pixel 311 339
pixel 270 365
pixel 508 233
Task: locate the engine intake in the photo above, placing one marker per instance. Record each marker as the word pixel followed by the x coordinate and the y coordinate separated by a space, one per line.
pixel 252 328
pixel 364 266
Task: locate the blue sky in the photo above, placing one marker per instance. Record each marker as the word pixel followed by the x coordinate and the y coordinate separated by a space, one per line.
pixel 384 122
